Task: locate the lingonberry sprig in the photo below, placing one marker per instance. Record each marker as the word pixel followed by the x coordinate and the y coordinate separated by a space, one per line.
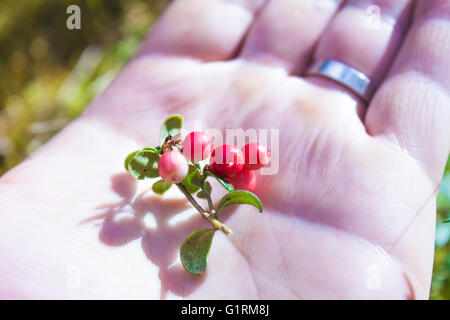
pixel 181 162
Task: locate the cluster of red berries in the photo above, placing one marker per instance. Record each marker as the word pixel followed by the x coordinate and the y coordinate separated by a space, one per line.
pixel 228 162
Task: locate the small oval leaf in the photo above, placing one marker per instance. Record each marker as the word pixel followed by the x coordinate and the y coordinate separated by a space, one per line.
pixel 226 185
pixel 144 164
pixel 207 188
pixel 161 186
pixel 194 250
pixel 171 126
pixel 129 157
pixel 239 197
pixel 197 179
pixel 151 149
pixel 201 195
pixel 191 182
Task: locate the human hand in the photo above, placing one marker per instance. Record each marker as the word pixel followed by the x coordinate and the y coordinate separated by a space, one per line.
pixel 351 211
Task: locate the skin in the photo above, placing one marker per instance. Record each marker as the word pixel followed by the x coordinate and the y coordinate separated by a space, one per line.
pixel 351 211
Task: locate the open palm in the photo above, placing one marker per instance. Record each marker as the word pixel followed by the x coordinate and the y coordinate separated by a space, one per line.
pixel 350 212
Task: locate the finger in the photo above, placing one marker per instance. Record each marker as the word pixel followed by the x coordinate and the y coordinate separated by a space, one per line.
pixel 209 30
pixel 412 106
pixel 286 30
pixel 366 35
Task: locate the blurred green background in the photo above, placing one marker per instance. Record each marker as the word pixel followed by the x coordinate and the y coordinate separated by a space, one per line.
pixel 48 74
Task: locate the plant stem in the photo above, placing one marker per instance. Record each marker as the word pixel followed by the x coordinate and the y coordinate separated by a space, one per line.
pixel 210 203
pixel 216 223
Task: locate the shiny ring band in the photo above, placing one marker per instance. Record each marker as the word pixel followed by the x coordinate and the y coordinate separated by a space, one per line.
pixel 345 75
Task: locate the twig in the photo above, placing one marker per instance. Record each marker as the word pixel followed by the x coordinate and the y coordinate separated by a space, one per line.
pixel 207 216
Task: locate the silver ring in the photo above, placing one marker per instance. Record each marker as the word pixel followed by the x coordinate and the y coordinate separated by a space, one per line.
pixel 345 75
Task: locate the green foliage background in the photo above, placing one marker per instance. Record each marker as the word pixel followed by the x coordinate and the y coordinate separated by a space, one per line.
pixel 48 74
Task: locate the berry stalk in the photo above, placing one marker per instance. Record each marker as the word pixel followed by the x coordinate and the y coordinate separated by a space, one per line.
pixel 208 198
pixel 206 215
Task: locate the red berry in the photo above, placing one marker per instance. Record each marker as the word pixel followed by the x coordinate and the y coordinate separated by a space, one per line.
pixel 226 161
pixel 173 167
pixel 256 156
pixel 246 180
pixel 197 146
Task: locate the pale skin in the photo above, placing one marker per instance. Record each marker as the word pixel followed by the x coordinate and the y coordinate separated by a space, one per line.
pixel 350 213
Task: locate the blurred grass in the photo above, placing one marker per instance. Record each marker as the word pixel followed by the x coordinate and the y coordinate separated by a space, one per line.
pixel 440 285
pixel 48 74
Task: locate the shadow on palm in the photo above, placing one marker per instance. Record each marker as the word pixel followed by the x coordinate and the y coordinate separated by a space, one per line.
pixel 146 217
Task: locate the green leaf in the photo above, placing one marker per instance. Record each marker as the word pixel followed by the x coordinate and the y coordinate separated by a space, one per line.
pixel 239 197
pixel 144 164
pixel 197 179
pixel 226 185
pixel 194 250
pixel 161 186
pixel 446 221
pixel 207 188
pixel 193 180
pixel 129 157
pixel 201 195
pixel 171 126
